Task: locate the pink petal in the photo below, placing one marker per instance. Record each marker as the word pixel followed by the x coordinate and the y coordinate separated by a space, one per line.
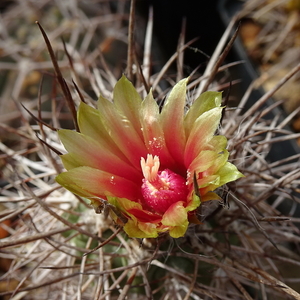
pixel 90 124
pixel 201 163
pixel 141 223
pixel 201 134
pixel 144 215
pixel 172 116
pixel 122 132
pixel 153 132
pixel 87 180
pixel 208 181
pixel 87 152
pixel 134 209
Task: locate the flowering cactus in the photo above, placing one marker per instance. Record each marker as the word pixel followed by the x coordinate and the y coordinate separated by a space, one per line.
pixel 154 167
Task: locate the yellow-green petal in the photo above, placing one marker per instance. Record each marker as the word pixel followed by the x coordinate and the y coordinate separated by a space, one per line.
pixel 202 162
pixel 153 133
pixel 139 230
pixel 175 215
pixel 172 116
pixel 87 181
pixel 228 173
pixel 69 161
pixel 88 152
pixel 217 143
pixel 128 101
pixel 179 231
pixel 203 103
pixel 176 219
pixel 201 133
pixel 90 124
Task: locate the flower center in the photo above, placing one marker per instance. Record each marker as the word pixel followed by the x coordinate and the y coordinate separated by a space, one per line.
pixel 161 189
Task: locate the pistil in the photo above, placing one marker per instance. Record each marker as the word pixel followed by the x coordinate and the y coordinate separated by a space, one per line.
pixel 160 189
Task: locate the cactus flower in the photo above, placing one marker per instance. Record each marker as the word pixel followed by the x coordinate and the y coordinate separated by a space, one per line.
pixel 154 166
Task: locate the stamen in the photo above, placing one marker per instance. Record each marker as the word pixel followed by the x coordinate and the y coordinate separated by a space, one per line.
pixel 150 167
pixel 160 189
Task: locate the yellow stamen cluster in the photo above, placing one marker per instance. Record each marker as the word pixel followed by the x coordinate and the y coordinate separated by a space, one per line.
pixel 150 167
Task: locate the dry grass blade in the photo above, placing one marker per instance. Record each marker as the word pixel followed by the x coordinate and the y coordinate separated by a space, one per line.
pixel 38 120
pixel 60 78
pixel 32 238
pixel 270 93
pixel 50 147
pixel 59 218
pixel 105 242
pixel 131 46
pixel 79 93
pixel 163 71
pixel 220 61
pixel 191 288
pixel 215 56
pixel 147 51
pixel 180 58
pixel 274 282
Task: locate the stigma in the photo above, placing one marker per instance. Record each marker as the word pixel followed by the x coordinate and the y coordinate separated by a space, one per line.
pixel 161 188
